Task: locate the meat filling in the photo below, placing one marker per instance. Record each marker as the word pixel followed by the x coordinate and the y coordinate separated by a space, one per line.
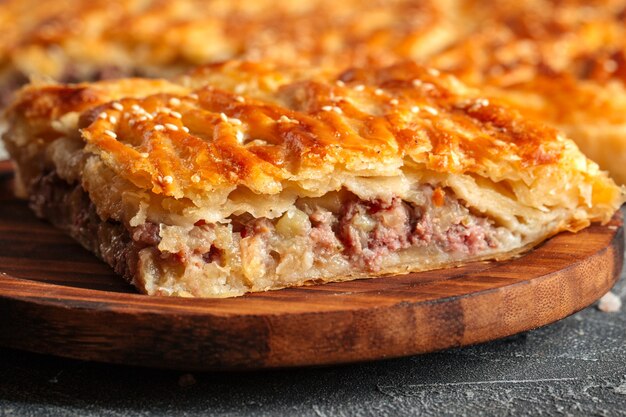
pixel 362 233
pixel 370 230
pixel 69 208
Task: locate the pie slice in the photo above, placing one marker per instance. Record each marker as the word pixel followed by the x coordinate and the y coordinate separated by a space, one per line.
pixel 245 177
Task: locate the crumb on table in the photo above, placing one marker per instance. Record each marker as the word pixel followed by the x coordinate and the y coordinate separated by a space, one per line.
pixel 610 303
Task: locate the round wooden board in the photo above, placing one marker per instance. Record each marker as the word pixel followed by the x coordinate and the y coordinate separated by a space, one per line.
pixel 57 298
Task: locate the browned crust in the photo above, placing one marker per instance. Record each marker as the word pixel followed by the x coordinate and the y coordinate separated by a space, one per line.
pixel 307 121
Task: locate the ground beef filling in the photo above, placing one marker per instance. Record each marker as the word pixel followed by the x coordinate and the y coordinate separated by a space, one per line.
pixel 364 232
pixel 370 230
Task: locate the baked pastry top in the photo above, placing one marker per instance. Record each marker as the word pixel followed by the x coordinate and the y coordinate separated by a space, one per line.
pixel 244 177
pixel 76 40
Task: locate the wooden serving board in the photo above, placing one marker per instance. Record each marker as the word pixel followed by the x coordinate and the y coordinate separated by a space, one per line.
pixel 57 298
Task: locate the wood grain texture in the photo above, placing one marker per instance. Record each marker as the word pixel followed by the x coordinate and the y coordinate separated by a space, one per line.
pixel 57 298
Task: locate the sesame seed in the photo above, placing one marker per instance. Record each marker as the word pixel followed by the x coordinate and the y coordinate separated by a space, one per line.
pixel 378 92
pixel 415 109
pixel 257 142
pixel 393 101
pixel 172 127
pixel 336 109
pixel 168 179
pixel 159 127
pixel 239 136
pixel 135 107
pixel 103 115
pixel 117 106
pixel 174 101
pixel 185 129
pixel 454 157
pixel 416 83
pixel 240 88
pixel 240 99
pixel 144 154
pixel 113 119
pixel 359 87
pixel 287 119
pixel 463 104
pixel 431 110
pixel 176 114
pixel 195 178
pixel 478 103
pixel 434 72
pixel 193 96
pixel 340 83
pixel 110 133
pixel 231 120
pixel 142 119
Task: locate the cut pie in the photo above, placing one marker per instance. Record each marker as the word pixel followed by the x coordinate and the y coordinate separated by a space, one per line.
pixel 246 177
